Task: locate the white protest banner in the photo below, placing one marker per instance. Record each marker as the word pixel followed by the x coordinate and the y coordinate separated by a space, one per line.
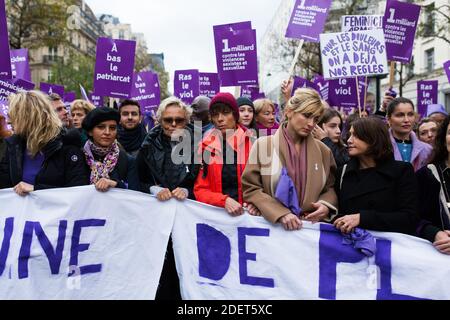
pixel 112 244
pixel 246 258
pixel 352 54
pixel 361 23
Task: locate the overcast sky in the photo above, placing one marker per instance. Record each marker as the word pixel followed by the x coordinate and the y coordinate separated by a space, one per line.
pixel 183 29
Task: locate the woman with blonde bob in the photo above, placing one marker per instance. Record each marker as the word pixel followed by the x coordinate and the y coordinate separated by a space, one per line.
pixel 79 110
pixel 40 155
pixel 266 123
pixel 290 176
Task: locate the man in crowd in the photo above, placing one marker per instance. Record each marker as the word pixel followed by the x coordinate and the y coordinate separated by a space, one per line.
pixel 60 108
pixel 200 113
pixel 131 130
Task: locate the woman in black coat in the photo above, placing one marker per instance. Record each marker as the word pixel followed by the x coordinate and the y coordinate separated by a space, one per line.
pixel 41 155
pixel 375 192
pixel 434 191
pixel 109 165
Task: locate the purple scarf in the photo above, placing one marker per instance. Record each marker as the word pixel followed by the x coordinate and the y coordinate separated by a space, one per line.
pixel 295 163
pixel 270 131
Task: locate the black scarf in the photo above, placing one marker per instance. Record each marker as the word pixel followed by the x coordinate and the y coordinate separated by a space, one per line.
pixel 132 140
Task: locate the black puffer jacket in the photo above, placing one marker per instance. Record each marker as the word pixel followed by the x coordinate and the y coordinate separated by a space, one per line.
pixel 64 164
pixel 156 168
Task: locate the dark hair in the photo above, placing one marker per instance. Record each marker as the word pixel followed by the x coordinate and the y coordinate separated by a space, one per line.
pixel 348 124
pixel 394 103
pixel 55 97
pixel 327 116
pixel 373 131
pixel 129 102
pixel 440 152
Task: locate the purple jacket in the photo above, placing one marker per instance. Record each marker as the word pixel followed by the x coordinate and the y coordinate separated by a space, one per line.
pixel 421 152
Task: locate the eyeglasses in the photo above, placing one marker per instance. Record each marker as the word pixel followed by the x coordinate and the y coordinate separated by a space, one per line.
pixel 177 121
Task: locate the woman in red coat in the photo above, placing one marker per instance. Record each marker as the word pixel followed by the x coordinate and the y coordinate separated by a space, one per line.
pixel 224 151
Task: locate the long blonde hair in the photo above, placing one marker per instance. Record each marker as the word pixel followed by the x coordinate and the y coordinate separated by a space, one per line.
pixel 33 118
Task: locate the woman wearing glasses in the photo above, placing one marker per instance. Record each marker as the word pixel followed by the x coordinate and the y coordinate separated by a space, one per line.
pixel 163 167
pixel 167 170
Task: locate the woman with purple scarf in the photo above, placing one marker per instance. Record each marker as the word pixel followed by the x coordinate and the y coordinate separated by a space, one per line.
pixel 108 164
pixel 290 175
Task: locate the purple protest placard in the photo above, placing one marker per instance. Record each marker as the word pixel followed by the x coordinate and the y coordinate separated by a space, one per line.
pixel 96 100
pixel 300 82
pixel 400 24
pixel 361 23
pixel 447 69
pixel 146 91
pixel 10 86
pixel 308 19
pixel 352 54
pixel 187 85
pixel 322 85
pixel 236 56
pixel 113 76
pixel 5 58
pixel 427 93
pixel 250 92
pixel 209 84
pixel 245 25
pixel 343 93
pixel 20 65
pixel 70 97
pixel 50 88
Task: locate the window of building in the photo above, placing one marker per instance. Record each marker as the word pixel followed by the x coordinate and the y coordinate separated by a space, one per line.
pixel 121 34
pixel 429 60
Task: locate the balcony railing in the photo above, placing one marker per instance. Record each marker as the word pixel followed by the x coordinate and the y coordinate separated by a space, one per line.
pixel 49 59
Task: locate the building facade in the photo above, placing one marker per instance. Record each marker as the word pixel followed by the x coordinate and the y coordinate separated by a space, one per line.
pixel 82 35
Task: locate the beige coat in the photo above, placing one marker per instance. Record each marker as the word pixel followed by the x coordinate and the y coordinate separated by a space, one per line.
pixel 263 170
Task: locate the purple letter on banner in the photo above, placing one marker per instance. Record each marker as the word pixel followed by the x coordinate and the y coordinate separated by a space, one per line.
pixel 49 88
pixel 78 247
pixel 5 58
pixel 20 65
pixel 146 91
pixel 400 23
pixel 427 94
pixel 8 87
pixel 236 57
pixel 54 255
pixel 308 19
pixel 209 84
pixel 187 85
pixel 214 252
pixel 332 251
pixel 245 256
pixel 447 69
pixel 114 66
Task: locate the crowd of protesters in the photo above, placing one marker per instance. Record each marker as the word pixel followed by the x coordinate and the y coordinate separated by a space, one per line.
pixel 383 170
